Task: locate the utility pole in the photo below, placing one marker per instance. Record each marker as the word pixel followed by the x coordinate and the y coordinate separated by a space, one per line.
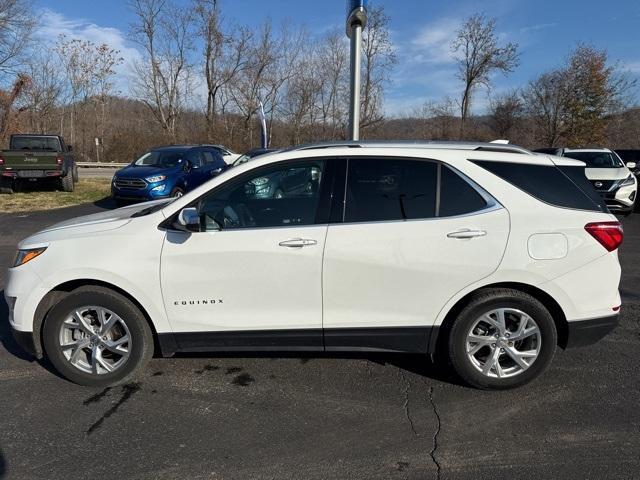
pixel 356 21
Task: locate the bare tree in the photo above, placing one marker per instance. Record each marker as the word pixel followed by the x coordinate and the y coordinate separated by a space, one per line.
pixel 165 33
pixel 224 55
pixel 332 60
pixel 16 26
pixel 545 100
pixel 479 55
pixel 504 114
pixel 42 94
pixel 378 57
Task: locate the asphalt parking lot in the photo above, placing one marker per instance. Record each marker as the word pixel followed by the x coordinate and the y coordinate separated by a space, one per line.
pixel 323 417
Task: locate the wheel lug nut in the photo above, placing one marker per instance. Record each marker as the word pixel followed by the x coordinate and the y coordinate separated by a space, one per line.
pixel 493 345
pixel 511 344
pixel 502 350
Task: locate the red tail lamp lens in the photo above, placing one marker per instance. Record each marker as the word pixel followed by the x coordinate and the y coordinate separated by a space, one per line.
pixel 608 234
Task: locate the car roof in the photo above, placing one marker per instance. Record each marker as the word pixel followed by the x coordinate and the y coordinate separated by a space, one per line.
pixel 187 147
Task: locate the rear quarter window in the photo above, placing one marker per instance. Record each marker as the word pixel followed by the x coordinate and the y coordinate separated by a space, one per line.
pixel 549 184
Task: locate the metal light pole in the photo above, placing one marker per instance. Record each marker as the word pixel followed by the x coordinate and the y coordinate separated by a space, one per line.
pixel 356 21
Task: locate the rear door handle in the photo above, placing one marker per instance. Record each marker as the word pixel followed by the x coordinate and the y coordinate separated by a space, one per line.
pixel 298 243
pixel 467 233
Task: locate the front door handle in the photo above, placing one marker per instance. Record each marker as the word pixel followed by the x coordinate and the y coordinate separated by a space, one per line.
pixel 298 243
pixel 467 233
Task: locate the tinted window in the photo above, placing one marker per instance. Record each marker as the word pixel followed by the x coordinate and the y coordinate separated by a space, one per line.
pixel 457 197
pixel 158 158
pixel 195 158
pixel 546 183
pixel 577 176
pixel 275 197
pixel 35 143
pixel 382 189
pixel 213 159
pixel 596 159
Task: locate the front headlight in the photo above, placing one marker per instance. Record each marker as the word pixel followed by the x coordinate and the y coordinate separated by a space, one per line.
pixel 24 256
pixel 628 181
pixel 157 178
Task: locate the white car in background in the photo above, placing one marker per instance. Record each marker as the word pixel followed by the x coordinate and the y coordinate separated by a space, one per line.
pixel 482 253
pixel 608 173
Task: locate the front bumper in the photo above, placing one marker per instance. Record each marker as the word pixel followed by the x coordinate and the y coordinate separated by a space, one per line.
pixel 26 341
pixel 587 332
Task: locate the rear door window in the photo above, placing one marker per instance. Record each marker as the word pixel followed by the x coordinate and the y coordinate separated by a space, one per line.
pixel 386 189
pixel 457 197
pixel 380 189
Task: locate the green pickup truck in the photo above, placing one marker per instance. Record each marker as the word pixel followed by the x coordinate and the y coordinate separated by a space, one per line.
pixel 37 158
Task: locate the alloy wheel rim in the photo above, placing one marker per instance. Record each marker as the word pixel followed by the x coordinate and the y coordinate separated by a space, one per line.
pixel 178 194
pixel 503 343
pixel 95 340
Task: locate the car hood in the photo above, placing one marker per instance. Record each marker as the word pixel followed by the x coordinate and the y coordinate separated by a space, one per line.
pixel 143 171
pixel 606 173
pixel 87 224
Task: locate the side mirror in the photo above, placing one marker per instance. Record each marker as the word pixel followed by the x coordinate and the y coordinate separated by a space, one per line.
pixel 631 165
pixel 69 148
pixel 189 219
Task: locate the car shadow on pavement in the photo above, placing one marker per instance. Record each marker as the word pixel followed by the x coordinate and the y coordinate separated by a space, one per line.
pixel 6 338
pixel 107 203
pixel 421 365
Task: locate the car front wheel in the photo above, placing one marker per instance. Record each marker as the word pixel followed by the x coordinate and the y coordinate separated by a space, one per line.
pixel 96 337
pixel 502 339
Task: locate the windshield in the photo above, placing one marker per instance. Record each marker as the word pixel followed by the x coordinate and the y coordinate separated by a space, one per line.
pixel 35 143
pixel 596 159
pixel 158 158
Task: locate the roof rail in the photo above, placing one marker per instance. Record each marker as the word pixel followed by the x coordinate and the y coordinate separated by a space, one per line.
pixel 448 145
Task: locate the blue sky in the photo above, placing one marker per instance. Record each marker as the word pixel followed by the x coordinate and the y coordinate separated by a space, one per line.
pixel 421 30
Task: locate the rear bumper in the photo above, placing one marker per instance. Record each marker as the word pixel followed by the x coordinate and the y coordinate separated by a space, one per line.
pixel 587 332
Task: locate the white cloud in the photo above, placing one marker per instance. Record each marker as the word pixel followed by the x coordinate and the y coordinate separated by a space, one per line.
pixel 632 66
pixel 433 42
pixel 54 24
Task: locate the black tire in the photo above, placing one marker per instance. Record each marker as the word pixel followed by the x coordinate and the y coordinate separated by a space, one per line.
pixel 484 302
pixel 141 346
pixel 177 192
pixel 66 182
pixel 6 185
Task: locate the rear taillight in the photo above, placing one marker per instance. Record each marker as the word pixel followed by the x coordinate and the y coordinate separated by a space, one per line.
pixel 608 234
pixel 59 160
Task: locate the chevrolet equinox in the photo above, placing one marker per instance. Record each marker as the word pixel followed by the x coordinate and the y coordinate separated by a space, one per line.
pixel 483 253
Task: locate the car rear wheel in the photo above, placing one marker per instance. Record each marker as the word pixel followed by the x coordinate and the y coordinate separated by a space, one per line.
pixel 67 181
pixel 502 339
pixel 6 185
pixel 96 337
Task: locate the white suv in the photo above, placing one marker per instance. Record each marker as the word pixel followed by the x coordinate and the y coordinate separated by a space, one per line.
pixel 483 253
pixel 610 177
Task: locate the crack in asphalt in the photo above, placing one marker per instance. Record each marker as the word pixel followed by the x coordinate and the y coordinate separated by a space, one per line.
pixel 407 414
pixel 435 435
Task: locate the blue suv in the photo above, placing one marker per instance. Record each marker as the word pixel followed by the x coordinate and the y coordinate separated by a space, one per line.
pixel 167 172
